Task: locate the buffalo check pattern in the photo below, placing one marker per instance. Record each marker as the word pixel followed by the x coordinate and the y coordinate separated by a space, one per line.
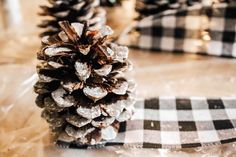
pixel 196 29
pixel 172 123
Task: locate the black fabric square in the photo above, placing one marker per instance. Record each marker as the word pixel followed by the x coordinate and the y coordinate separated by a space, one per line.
pixel 157 31
pixel 215 104
pixel 228 140
pixel 151 145
pixel 187 126
pixel 168 32
pixel 190 145
pixel 180 33
pixel 151 125
pixel 223 124
pixel 181 13
pixel 183 104
pixel 229 36
pixel 146 31
pixel 122 127
pixel 230 12
pixel 152 104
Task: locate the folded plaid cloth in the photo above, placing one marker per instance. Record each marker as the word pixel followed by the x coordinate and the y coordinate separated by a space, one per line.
pixel 196 29
pixel 150 7
pixel 169 122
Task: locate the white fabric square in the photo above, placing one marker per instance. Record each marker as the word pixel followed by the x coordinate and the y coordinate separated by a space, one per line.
pixel 151 114
pixel 169 21
pixel 167 43
pixel 185 115
pixel 217 24
pixel 145 41
pixel 234 50
pixel 146 22
pixel 229 102
pixel 170 137
pixel 193 22
pixel 138 114
pixel 134 136
pixel 202 115
pixel 199 103
pixel 192 45
pixel 167 102
pixel 152 136
pixel 168 115
pixel 219 114
pixel 208 136
pixel 215 48
pixel 231 113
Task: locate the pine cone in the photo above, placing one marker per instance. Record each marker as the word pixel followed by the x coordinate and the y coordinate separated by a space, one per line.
pixel 110 3
pixel 72 11
pixel 81 87
pixel 150 7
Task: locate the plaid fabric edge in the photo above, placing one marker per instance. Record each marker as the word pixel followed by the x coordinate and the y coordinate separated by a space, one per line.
pixel 175 123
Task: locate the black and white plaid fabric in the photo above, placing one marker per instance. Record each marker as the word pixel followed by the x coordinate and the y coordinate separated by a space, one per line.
pixel 169 122
pixel 196 29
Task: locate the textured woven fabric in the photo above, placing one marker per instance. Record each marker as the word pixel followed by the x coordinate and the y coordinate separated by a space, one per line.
pixel 196 29
pixel 169 122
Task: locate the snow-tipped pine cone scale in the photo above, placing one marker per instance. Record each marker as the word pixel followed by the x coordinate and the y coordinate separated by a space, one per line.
pixel 82 88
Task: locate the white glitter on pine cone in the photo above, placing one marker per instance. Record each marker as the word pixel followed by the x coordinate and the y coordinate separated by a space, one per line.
pixel 63 36
pixel 104 31
pixel 132 85
pixel 43 78
pixel 129 102
pixel 78 27
pixel 121 52
pixel 95 93
pixel 80 132
pixel 120 88
pixel 114 109
pixel 124 116
pixel 103 123
pixel 45 39
pixel 72 86
pixel 65 137
pixel 55 64
pixel 78 121
pixel 84 49
pixel 61 98
pixel 110 51
pixel 54 51
pixel 89 113
pixel 83 71
pixel 109 133
pixel 104 71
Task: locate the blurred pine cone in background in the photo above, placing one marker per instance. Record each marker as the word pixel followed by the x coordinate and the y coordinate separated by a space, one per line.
pixel 110 3
pixel 72 11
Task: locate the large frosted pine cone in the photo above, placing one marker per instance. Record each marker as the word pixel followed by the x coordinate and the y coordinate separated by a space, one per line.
pixel 81 86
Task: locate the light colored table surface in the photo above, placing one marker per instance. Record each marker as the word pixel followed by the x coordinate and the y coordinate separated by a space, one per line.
pixel 23 133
